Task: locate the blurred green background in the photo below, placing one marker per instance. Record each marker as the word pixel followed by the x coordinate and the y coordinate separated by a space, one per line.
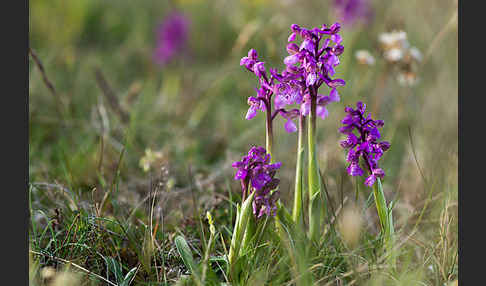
pixel 192 110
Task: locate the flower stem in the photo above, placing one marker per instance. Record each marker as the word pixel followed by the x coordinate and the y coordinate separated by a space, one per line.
pixel 269 132
pixel 297 211
pixel 313 172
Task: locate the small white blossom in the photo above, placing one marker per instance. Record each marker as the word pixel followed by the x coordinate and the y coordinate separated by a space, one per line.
pixel 416 54
pixel 407 79
pixel 393 55
pixel 365 57
pixel 393 39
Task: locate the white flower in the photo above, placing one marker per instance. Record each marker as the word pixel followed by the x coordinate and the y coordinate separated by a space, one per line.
pixel 365 57
pixel 393 55
pixel 416 54
pixel 407 79
pixel 393 39
pixel 386 39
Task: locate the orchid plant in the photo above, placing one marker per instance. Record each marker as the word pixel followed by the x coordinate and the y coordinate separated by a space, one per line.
pixel 365 146
pixel 293 94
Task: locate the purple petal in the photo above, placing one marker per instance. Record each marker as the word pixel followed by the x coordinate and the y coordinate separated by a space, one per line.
pixel 292 48
pixel 378 172
pixel 330 70
pixel 374 134
pixel 379 123
pixel 237 164
pixel 348 119
pixel 311 79
pixel 259 69
pixel 305 108
pixel 335 28
pixel 323 100
pixel 305 33
pixel 251 112
pixel 365 146
pixel 333 61
pixel 355 170
pixel 244 61
pixel 338 50
pixel 361 107
pixel 334 95
pixel 291 60
pixel 353 156
pixel 346 129
pixel 351 141
pixel 241 174
pixel 370 180
pixel 336 83
pixel 252 54
pixel 274 166
pixel 259 180
pixel 322 112
pixel 255 207
pixel 326 43
pixel 291 37
pixel 295 27
pixel 270 186
pixel 290 126
pixel 384 145
pixel 308 45
pixel 336 38
pixel 279 102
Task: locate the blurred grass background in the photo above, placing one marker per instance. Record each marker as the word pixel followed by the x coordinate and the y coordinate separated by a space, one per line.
pixel 192 110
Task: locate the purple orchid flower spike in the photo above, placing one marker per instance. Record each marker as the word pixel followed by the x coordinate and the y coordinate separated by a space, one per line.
pixel 257 174
pixel 307 67
pixel 310 64
pixel 363 145
pixel 172 35
pixel 353 11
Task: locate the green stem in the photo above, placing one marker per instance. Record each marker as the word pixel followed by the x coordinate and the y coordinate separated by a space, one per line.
pixel 297 211
pixel 313 173
pixel 269 133
pixel 206 257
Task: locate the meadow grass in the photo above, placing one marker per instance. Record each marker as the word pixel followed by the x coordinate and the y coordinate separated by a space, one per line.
pixel 100 102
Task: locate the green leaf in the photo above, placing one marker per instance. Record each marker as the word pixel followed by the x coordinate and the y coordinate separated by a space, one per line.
pixel 243 216
pixel 391 206
pixel 115 268
pixel 370 201
pixel 220 260
pixel 185 253
pixel 128 277
pixel 315 195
